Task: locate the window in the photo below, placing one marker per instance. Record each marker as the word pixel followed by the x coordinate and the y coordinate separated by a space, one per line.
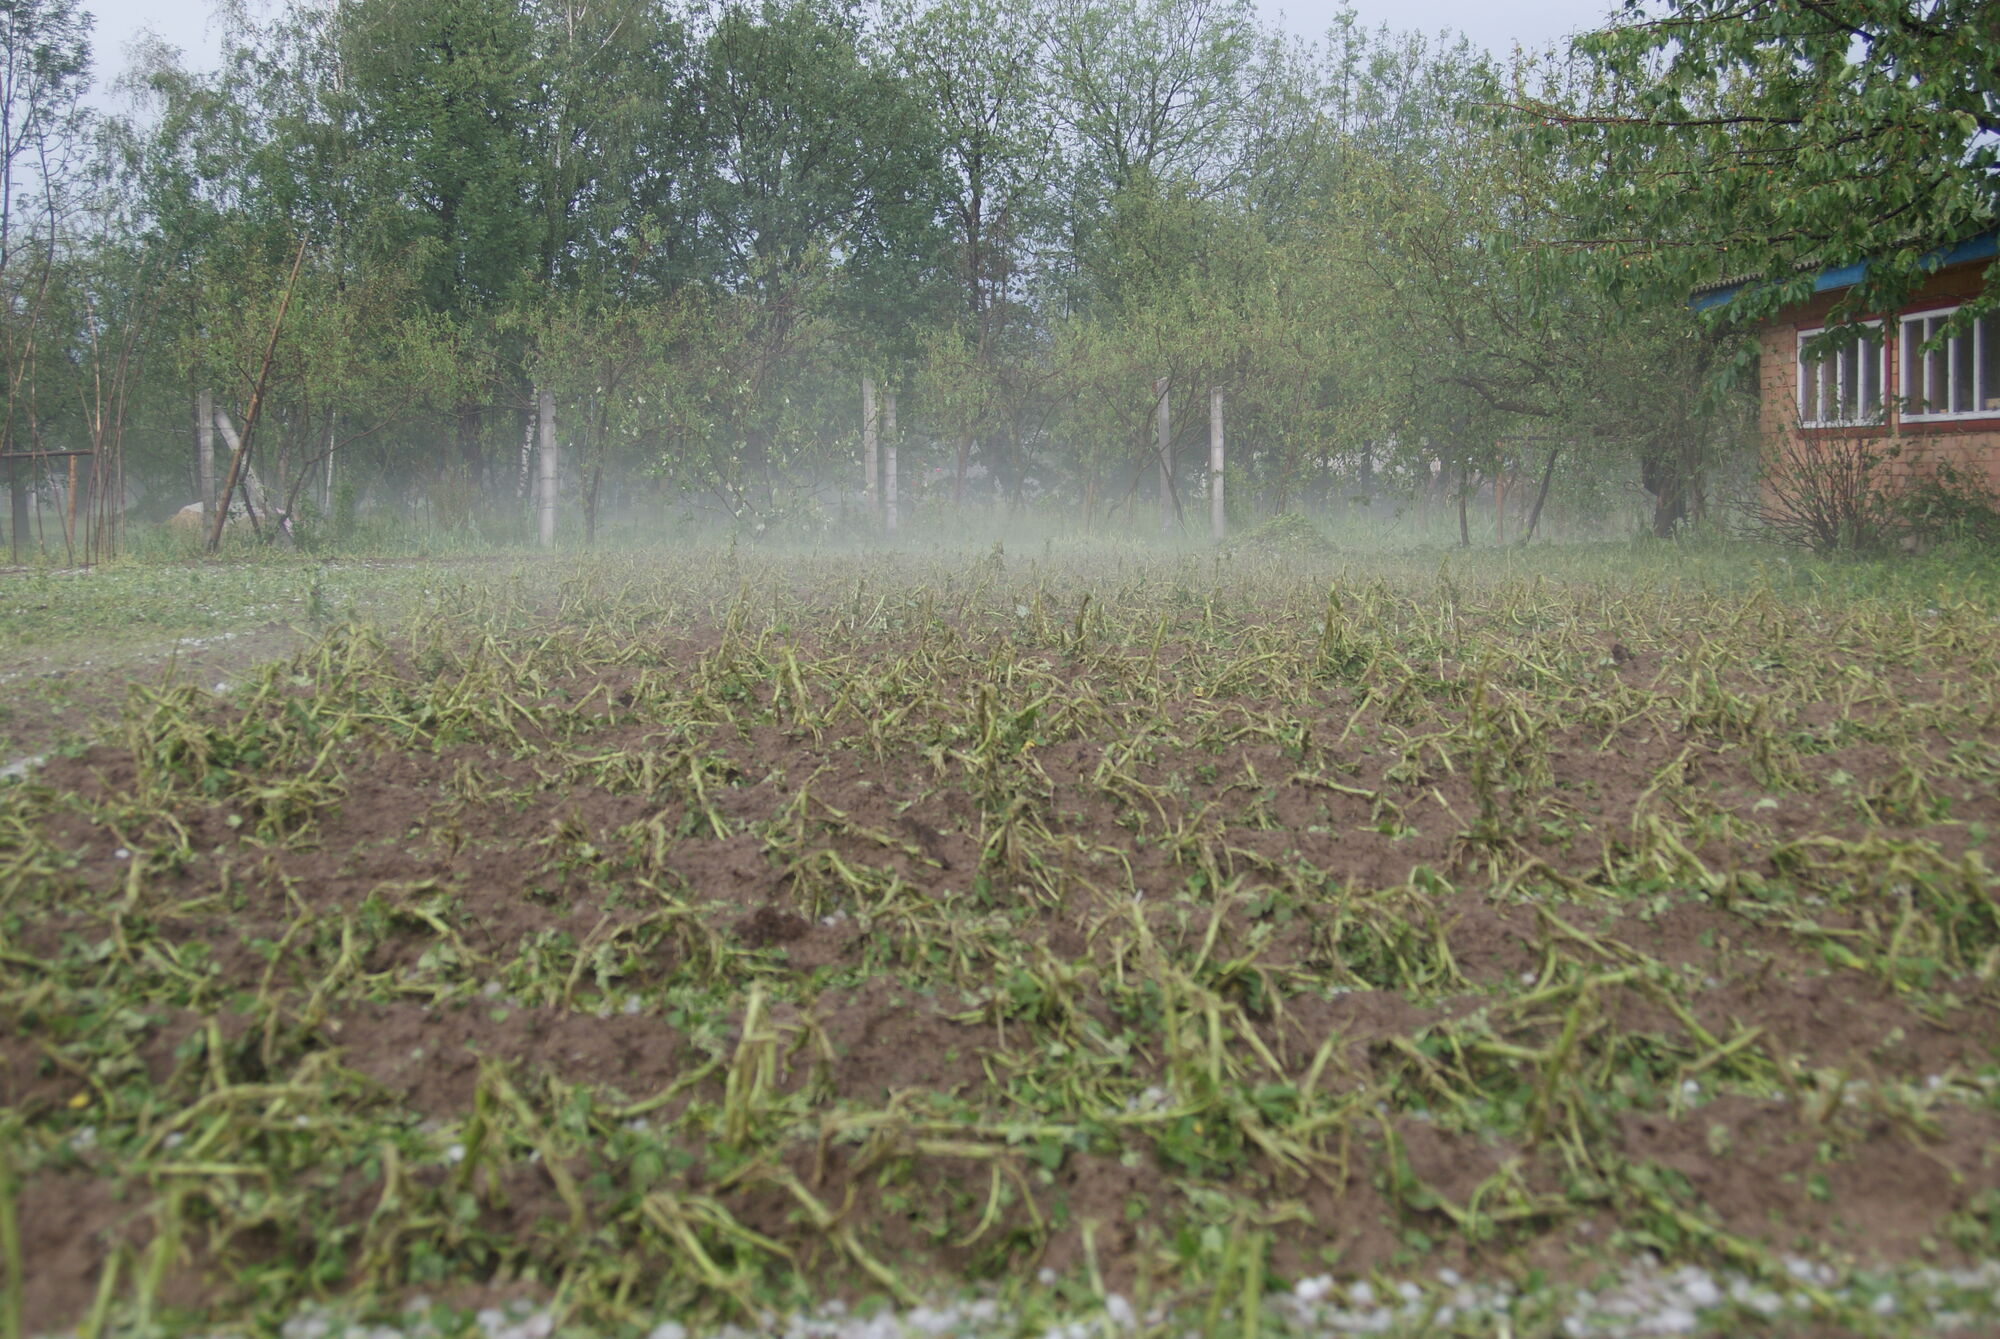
pixel 1959 377
pixel 1842 386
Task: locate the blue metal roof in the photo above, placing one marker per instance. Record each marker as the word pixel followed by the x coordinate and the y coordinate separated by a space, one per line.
pixel 1982 247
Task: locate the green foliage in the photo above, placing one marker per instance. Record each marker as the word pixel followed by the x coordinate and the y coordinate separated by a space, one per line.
pixel 1778 140
pixel 1184 924
pixel 698 229
pixel 1286 533
pixel 1949 505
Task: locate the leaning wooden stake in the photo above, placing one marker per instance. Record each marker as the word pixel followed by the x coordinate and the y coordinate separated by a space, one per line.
pixel 1217 525
pixel 1163 444
pixel 870 458
pixel 889 460
pixel 545 489
pixel 253 488
pixel 237 459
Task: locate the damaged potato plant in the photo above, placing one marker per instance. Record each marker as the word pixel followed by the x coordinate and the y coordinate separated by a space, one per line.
pixel 716 936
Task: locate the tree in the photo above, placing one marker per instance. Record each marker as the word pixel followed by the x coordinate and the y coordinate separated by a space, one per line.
pixel 1776 139
pixel 616 146
pixel 820 210
pixel 44 71
pixel 444 87
pixel 975 62
pixel 1151 87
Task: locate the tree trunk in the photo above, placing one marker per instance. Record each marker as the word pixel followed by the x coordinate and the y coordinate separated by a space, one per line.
pixel 527 457
pixel 590 461
pixel 1464 487
pixel 332 445
pixel 964 459
pixel 545 494
pixel 204 451
pixel 17 501
pixel 18 511
pixel 284 472
pixel 1217 518
pixel 590 503
pixel 69 516
pixel 1666 470
pixel 870 449
pixel 469 451
pixel 1535 513
pixel 1163 442
pixel 889 460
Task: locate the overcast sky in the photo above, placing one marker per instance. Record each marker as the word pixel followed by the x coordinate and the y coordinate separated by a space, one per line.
pixel 1494 24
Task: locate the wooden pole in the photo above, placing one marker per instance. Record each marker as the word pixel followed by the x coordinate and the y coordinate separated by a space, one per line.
pixel 252 486
pixel 870 448
pixel 253 496
pixel 204 450
pixel 240 456
pixel 1217 523
pixel 545 490
pixel 889 459
pixel 1163 444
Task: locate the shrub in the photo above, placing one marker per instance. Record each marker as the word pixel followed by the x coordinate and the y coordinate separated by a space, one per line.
pixel 1287 532
pixel 1948 504
pixel 1831 494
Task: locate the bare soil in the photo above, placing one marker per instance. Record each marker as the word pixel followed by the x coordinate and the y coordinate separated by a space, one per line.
pixel 1054 940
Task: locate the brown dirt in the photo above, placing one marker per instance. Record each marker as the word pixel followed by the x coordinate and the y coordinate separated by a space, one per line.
pixel 865 882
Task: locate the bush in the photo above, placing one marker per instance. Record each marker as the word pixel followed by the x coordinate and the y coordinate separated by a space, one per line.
pixel 1844 495
pixel 1287 532
pixel 1831 495
pixel 1949 505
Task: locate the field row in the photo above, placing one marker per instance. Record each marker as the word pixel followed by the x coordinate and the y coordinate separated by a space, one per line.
pixel 716 937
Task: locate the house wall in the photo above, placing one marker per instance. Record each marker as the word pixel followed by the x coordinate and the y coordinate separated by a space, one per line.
pixel 1971 446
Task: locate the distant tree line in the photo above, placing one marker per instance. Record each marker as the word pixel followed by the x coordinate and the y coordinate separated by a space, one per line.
pixel 697 227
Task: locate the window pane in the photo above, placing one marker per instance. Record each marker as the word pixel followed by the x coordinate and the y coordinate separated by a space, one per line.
pixel 1989 363
pixel 1961 373
pixel 1937 398
pixel 1869 353
pixel 1808 386
pixel 1848 374
pixel 1910 369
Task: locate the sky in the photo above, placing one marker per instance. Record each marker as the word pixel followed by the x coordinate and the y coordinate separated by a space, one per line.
pixel 1494 24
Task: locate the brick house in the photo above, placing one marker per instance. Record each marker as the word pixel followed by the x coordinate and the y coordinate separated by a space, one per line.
pixel 1940 405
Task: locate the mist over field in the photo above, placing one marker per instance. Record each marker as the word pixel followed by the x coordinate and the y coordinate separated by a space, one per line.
pixel 1033 230
pixel 999 667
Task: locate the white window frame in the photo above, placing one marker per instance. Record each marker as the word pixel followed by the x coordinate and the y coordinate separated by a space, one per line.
pixel 1801 366
pixel 1911 356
